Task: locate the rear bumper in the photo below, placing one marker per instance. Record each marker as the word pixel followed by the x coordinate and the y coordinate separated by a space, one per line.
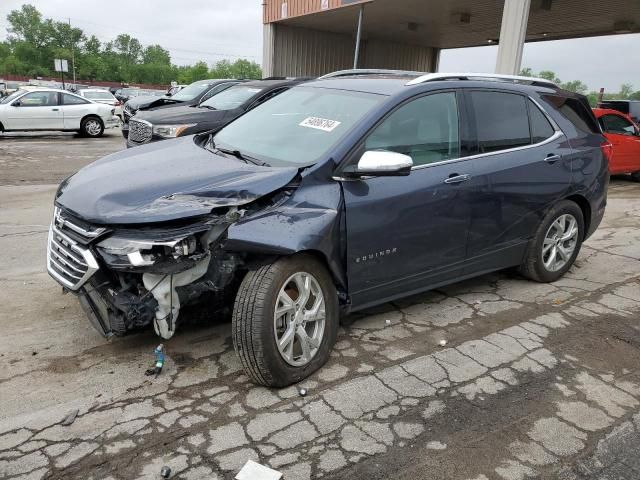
pixel 112 122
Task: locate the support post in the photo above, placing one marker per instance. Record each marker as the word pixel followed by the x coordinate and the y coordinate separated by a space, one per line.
pixel 358 36
pixel 513 31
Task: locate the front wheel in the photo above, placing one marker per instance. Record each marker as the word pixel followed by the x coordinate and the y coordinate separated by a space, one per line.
pixel 92 127
pixel 556 244
pixel 636 176
pixel 285 320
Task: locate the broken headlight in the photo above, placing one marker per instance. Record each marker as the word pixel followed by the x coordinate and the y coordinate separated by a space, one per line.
pixel 141 253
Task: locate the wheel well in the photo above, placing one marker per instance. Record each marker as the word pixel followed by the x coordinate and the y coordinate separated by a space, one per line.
pixel 337 276
pixel 583 203
pixel 1 127
pixel 91 115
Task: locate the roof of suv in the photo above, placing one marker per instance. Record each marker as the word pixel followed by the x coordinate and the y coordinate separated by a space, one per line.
pixel 389 82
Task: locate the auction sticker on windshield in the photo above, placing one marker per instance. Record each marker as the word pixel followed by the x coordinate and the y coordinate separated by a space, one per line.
pixel 323 124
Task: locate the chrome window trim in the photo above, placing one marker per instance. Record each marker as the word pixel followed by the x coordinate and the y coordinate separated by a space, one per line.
pixel 557 135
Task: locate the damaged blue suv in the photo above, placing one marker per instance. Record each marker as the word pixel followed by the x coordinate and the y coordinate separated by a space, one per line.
pixel 337 195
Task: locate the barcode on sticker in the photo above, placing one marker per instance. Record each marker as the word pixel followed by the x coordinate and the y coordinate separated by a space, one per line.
pixel 323 124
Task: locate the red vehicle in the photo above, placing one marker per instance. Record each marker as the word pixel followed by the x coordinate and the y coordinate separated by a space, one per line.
pixel 624 135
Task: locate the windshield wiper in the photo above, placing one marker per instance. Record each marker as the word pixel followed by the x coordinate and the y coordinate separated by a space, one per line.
pixel 206 106
pixel 243 156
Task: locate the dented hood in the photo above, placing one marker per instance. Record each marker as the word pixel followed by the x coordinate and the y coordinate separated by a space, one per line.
pixel 163 181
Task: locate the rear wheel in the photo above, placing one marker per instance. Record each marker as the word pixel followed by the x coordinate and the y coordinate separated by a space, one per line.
pixel 636 176
pixel 556 244
pixel 285 320
pixel 92 127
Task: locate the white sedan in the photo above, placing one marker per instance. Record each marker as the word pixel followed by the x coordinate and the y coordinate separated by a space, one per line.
pixel 105 97
pixel 50 109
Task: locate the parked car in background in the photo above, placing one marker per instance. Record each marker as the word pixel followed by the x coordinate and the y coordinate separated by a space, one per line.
pixel 336 195
pixel 124 94
pixel 624 136
pixel 51 109
pixel 190 95
pixel 174 89
pixel 210 114
pixel 102 96
pixel 628 107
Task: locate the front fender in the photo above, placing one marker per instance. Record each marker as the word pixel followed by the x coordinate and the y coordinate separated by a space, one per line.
pixel 310 220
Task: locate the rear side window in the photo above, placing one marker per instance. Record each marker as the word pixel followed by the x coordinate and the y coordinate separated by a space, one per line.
pixel 576 112
pixel 501 119
pixel 541 129
pixel 73 100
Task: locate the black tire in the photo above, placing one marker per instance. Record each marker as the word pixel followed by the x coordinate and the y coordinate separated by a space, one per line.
pixel 92 127
pixel 533 265
pixel 636 176
pixel 253 321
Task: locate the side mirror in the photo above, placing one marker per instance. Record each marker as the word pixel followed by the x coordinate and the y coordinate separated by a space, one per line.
pixel 381 163
pixel 16 103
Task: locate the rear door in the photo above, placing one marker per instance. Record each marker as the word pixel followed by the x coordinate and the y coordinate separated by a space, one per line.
pixel 74 108
pixel 35 111
pixel 523 167
pixel 623 135
pixel 407 233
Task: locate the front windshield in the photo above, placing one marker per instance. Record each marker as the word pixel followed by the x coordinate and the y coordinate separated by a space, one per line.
pixel 231 98
pixel 190 92
pixel 12 97
pixel 298 126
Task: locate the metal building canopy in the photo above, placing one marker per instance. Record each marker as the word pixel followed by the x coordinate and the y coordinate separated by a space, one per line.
pixel 459 23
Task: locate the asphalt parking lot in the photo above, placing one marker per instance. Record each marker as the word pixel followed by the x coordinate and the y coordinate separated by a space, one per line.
pixel 534 380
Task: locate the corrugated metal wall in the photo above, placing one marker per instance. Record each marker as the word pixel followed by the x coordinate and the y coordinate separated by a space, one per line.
pixel 301 52
pixel 399 56
pixel 273 8
pixel 294 52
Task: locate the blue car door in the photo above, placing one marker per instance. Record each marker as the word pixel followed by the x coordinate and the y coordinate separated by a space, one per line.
pixel 523 167
pixel 407 233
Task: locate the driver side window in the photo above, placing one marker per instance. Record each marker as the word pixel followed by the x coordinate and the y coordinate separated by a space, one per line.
pixel 39 99
pixel 618 125
pixel 426 129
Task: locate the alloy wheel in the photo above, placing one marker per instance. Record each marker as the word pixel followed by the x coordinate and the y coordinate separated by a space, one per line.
pixel 93 127
pixel 560 242
pixel 299 319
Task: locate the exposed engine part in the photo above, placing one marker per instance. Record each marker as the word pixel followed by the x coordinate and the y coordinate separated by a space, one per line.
pixel 163 289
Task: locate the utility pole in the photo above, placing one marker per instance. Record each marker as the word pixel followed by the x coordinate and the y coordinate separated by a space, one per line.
pixel 73 56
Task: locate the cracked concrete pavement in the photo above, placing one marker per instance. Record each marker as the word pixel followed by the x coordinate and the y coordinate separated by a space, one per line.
pixel 535 380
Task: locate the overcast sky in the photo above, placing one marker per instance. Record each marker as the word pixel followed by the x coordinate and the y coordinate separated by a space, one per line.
pixel 211 30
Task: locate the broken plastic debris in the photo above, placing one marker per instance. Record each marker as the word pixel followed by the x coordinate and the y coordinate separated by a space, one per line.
pixel 165 472
pixel 302 392
pixel 70 418
pixel 442 342
pixel 255 471
pixel 387 322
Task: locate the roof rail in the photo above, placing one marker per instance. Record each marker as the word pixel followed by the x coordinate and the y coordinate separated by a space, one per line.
pixel 370 71
pixel 432 77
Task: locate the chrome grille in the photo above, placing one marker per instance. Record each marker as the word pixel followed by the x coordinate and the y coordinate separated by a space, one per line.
pixel 69 260
pixel 140 131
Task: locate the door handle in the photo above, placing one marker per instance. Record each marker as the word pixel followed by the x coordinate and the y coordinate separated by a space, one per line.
pixel 55 109
pixel 552 158
pixel 455 178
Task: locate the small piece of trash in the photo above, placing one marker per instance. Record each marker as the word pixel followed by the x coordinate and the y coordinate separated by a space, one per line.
pixel 302 392
pixel 387 322
pixel 442 343
pixel 70 418
pixel 255 471
pixel 165 472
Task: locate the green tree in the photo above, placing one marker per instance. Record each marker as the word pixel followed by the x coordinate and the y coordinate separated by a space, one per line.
pixel 156 54
pixel 549 75
pixel 626 90
pixel 576 86
pixel 526 72
pixel 635 96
